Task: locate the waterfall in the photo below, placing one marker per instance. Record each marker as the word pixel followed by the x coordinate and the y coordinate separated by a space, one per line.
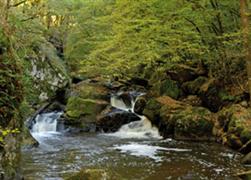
pixel 141 129
pixel 46 123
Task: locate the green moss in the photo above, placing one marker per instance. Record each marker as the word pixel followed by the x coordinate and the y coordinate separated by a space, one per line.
pixel 170 88
pixel 77 107
pixel 193 87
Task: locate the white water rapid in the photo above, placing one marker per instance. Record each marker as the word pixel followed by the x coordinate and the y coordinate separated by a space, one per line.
pixel 45 124
pixel 142 129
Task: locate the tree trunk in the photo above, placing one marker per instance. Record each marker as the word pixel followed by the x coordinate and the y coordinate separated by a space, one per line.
pixel 246 44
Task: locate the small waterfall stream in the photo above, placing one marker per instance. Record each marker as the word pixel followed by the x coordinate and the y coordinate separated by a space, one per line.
pixel 135 151
pixel 142 129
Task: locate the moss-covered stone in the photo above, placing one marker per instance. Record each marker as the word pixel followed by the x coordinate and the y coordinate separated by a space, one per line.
pixel 88 90
pixel 27 139
pixel 193 87
pixel 77 107
pixel 170 88
pixel 235 122
pixel 175 118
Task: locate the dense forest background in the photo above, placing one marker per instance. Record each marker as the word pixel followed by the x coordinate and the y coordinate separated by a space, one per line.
pixel 115 38
pixel 47 44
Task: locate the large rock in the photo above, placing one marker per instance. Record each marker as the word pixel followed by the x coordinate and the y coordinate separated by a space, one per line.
pixel 111 119
pixel 139 105
pixel 247 159
pixel 28 140
pixel 235 126
pixel 47 70
pixel 245 175
pixel 88 90
pixel 180 120
pixel 77 107
pixel 81 113
pixel 167 87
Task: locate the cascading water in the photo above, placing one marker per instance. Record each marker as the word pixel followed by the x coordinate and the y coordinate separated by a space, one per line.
pixel 129 153
pixel 45 124
pixel 138 129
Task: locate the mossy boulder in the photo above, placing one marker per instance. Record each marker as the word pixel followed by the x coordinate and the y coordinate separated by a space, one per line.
pixel 88 90
pixel 180 120
pixel 245 175
pixel 235 121
pixel 193 87
pixel 166 87
pixel 77 107
pixel 247 159
pixel 28 140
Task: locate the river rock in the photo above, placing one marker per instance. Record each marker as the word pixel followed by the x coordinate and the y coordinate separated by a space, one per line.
pixel 235 122
pixel 88 90
pixel 246 148
pixel 47 70
pixel 193 87
pixel 77 107
pixel 111 119
pixel 247 159
pixel 139 105
pixel 167 87
pixel 180 120
pixel 245 175
pixel 28 140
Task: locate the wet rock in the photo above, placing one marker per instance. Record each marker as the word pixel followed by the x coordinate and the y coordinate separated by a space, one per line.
pixel 234 122
pixel 28 140
pixel 233 141
pixel 77 107
pixel 139 81
pixel 111 119
pixel 180 120
pixel 87 90
pixel 193 87
pixel 126 97
pixel 140 105
pixel 245 175
pixel 246 148
pixel 166 87
pixel 55 106
pixel 247 159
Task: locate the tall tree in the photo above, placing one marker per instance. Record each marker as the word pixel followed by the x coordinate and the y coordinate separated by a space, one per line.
pixel 246 43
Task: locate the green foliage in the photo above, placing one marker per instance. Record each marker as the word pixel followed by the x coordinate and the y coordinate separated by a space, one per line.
pixel 112 37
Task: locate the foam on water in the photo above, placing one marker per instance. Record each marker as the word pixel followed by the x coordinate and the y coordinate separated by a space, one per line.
pixel 142 129
pixel 45 125
pixel 146 150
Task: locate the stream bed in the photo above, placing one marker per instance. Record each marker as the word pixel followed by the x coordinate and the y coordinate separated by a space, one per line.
pixel 135 152
pixel 61 154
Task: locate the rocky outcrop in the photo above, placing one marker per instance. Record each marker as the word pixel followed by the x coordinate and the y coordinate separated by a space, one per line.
pixel 47 70
pixel 247 159
pixel 234 127
pixel 180 120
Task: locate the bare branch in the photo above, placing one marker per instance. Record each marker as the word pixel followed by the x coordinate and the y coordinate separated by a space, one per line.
pixel 18 4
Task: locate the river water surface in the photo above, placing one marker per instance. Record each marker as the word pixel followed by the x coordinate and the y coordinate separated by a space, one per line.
pixel 136 151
